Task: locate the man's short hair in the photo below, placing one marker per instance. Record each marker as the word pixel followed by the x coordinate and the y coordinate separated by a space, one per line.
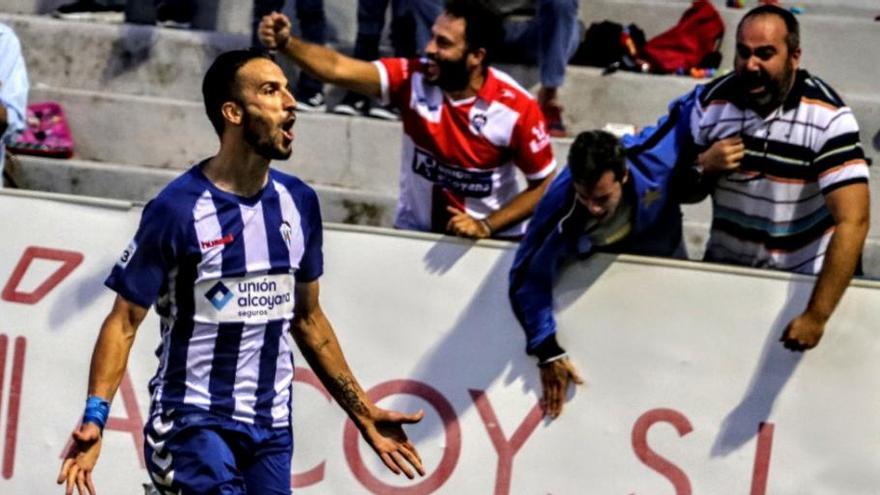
pixel 592 154
pixel 221 82
pixel 484 25
pixel 792 38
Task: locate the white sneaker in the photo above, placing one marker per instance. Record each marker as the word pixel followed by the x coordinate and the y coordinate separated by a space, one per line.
pixel 313 104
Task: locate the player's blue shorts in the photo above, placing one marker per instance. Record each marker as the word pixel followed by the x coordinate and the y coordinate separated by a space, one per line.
pixel 203 454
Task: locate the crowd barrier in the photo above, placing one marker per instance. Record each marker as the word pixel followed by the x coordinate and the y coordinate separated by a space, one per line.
pixel 688 389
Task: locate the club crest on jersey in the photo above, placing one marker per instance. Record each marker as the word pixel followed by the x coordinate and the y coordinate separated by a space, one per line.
pixel 478 121
pixel 286 232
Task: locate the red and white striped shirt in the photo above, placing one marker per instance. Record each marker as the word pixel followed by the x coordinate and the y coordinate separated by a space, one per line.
pixel 463 153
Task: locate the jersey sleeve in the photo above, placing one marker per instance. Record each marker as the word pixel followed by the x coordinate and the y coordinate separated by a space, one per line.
pixel 141 271
pixel 530 143
pixel 394 73
pixel 311 265
pixel 840 160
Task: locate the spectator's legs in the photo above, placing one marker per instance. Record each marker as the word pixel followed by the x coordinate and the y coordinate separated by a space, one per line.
pixel 551 38
pixel 403 29
pixel 424 13
pixel 313 25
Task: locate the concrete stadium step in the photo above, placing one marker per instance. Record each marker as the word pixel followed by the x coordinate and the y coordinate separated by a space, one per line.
pixel 163 62
pixel 839 49
pixel 591 100
pixel 353 152
pixel 140 184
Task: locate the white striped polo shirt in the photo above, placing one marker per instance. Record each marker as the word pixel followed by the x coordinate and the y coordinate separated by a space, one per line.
pixel 771 211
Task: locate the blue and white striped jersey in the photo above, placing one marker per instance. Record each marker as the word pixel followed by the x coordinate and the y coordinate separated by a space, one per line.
pixel 221 270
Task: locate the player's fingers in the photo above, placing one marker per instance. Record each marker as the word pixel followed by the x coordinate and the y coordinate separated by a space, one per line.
pixel 410 418
pixel 402 464
pixel 389 463
pixel 71 479
pixel 410 449
pixel 575 375
pixel 90 484
pixel 81 483
pixel 554 398
pixel 62 474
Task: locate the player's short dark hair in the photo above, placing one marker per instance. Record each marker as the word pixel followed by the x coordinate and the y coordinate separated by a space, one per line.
pixel 484 25
pixel 592 154
pixel 792 37
pixel 221 82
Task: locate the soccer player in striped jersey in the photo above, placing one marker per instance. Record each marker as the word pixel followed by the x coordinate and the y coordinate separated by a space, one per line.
pixel 467 127
pixel 779 152
pixel 230 254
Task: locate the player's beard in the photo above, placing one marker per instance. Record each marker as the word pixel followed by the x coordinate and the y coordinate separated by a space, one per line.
pixel 258 135
pixel 452 75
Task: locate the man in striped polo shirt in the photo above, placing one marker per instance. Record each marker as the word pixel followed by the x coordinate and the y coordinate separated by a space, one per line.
pixel 467 127
pixel 779 152
pixel 230 253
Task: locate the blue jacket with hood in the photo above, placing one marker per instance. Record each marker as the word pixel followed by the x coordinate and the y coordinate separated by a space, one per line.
pixel 557 229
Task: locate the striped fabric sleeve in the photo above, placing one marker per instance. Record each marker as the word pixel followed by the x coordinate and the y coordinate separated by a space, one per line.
pixel 840 160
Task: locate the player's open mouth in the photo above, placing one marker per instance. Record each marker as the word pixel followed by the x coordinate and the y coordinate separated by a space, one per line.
pixel 287 129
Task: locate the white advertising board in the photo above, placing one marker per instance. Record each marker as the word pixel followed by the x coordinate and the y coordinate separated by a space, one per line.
pixel 689 390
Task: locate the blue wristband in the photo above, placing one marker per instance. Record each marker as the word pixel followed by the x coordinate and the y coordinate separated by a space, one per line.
pixel 97 411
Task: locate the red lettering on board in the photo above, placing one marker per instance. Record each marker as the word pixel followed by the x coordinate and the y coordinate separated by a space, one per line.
pixel 505 448
pixel 316 474
pixel 653 460
pixel 14 405
pixel 761 470
pixel 451 428
pixel 70 260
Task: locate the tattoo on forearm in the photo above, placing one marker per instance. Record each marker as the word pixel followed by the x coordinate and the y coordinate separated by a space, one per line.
pixel 348 392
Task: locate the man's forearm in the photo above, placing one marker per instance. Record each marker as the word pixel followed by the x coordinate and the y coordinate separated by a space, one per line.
pixel 318 343
pixel 332 67
pixel 518 209
pixel 110 357
pixel 841 259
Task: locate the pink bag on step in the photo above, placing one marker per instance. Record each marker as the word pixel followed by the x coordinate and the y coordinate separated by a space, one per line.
pixel 46 133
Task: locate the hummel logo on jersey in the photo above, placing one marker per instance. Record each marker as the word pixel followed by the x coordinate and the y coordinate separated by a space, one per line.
pixel 226 239
pixel 542 139
pixel 219 295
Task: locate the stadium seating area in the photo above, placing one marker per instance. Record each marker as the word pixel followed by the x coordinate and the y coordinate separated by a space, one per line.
pixel 132 96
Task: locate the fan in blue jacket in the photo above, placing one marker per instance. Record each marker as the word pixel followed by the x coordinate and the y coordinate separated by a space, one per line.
pixel 614 196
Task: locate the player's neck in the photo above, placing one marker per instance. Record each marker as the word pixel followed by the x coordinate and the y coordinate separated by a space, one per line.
pixel 240 172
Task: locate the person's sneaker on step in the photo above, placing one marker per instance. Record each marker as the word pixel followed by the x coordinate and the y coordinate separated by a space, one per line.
pixel 553 115
pixel 175 14
pixel 352 104
pixel 384 112
pixel 312 103
pixel 90 10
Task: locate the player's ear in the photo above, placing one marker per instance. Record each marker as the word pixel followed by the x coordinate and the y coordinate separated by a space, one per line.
pixel 232 112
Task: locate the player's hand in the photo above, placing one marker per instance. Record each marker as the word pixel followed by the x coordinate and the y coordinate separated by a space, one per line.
pixel 723 156
pixel 384 432
pixel 555 377
pixel 80 460
pixel 274 31
pixel 464 225
pixel 803 332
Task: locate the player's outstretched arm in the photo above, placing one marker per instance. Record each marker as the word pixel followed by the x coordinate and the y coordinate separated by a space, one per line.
pixel 109 360
pixel 382 429
pixel 324 63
